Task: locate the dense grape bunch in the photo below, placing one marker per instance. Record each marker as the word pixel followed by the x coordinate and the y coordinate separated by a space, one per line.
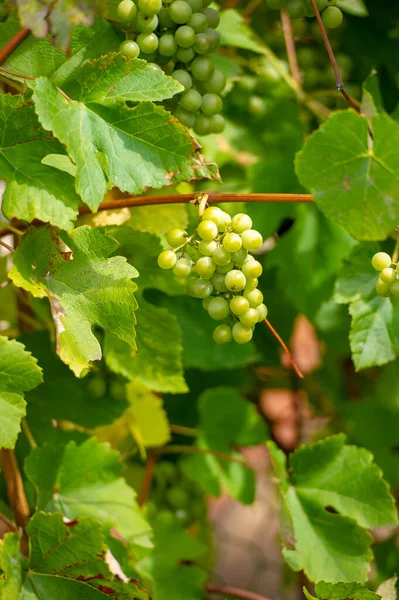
pixel 216 266
pixel 179 37
pixel 332 15
pixel 387 284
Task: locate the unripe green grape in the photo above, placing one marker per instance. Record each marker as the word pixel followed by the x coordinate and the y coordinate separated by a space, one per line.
pixel 185 55
pixel 218 308
pixel 225 268
pixel 202 67
pixel 388 275
pixel 153 66
pixel 207 248
pixel 254 297
pixel 241 334
pixel 217 124
pixel 206 302
pixel 167 45
pixel 249 318
pixel 96 387
pixel 249 258
pixel 198 22
pixel 382 288
pixel 167 259
pixel 381 261
pixel 182 267
pixel 256 106
pixel 205 267
pixel 239 305
pixel 213 213
pixel 201 44
pixel 150 7
pixel 185 36
pixel 176 237
pixel 196 5
pixel 129 48
pixel 183 78
pixel 127 10
pixel 332 17
pixel 165 21
pixel 232 242
pixel 217 281
pixel 394 289
pixel 225 223
pixel 222 334
pixel 213 38
pixel 186 118
pixel 191 101
pixel 207 230
pixel 252 268
pixel 235 280
pixel 146 24
pixel 241 222
pixel 217 83
pixel 251 239
pixel 180 12
pixel 177 497
pixel 262 312
pixel 252 283
pixel 211 104
pixel 148 42
pixel 239 257
pixel 202 125
pixel 201 288
pixel 212 17
pixel 221 256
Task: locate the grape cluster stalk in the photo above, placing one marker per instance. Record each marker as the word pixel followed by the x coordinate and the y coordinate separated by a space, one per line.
pixel 387 284
pixel 216 266
pixel 179 36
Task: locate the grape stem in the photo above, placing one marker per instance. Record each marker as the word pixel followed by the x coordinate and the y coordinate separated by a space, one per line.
pixel 285 348
pixel 28 433
pixel 147 478
pixel 178 449
pixel 6 246
pixel 11 228
pixel 330 52
pixel 183 430
pixel 13 43
pixel 225 590
pixel 290 46
pixel 16 494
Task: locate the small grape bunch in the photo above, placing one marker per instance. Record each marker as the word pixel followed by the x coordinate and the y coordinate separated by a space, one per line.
pixel 388 281
pixel 179 36
pixel 216 266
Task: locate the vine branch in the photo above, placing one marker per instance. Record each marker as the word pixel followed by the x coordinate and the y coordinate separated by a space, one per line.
pixel 225 590
pixel 16 493
pixel 290 46
pixel 13 43
pixel 285 348
pixel 330 52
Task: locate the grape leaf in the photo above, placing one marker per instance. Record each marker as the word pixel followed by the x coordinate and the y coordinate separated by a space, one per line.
pixel 374 334
pixel 84 289
pixel 116 78
pixel 131 148
pixel 354 180
pixel 234 32
pixel 66 560
pixel 86 480
pixel 34 190
pixel 227 420
pixel 335 492
pixel 19 372
pixel 168 569
pixel 159 219
pixel 341 591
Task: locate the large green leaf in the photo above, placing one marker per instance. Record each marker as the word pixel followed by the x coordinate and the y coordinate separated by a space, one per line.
pixel 66 560
pixel 117 78
pixel 84 289
pixel 227 420
pixel 19 372
pixel 354 179
pixel 334 493
pixel 34 190
pixel 86 480
pixel 341 591
pixel 234 32
pixel 131 148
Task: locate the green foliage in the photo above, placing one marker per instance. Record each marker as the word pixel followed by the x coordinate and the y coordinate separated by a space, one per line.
pixel 341 591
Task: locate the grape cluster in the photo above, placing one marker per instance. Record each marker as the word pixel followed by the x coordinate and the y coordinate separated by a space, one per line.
pixel 388 281
pixel 178 36
pixel 173 496
pixel 216 266
pixel 332 15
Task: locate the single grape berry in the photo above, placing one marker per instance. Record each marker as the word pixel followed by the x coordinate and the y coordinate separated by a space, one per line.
pixel 217 124
pixel 146 24
pixel 221 256
pixel 127 10
pixel 212 17
pixel 216 83
pixel 388 275
pixel 180 11
pixel 222 334
pixel 252 269
pixel 381 261
pixel 167 45
pixel 207 230
pixel 148 42
pixel 262 312
pixel 183 78
pixel 185 36
pixel 213 38
pixel 165 21
pixel 239 257
pixel 232 242
pixel 211 104
pixel 205 267
pixel 249 318
pixel 252 283
pixel 182 267
pixel 186 118
pixel 382 288
pixel 218 308
pixel 177 497
pixel 201 288
pixel 198 22
pixel 225 223
pixel 202 67
pixel 235 280
pixel 129 48
pixel 241 222
pixel 206 302
pixel 150 7
pixel 241 334
pixel 167 259
pixel 251 239
pixel 332 17
pixel 185 55
pixel 217 281
pixel 239 305
pixel 176 237
pixel 207 248
pixel 191 101
pixel 202 125
pixel 213 213
pixel 394 288
pixel 254 297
